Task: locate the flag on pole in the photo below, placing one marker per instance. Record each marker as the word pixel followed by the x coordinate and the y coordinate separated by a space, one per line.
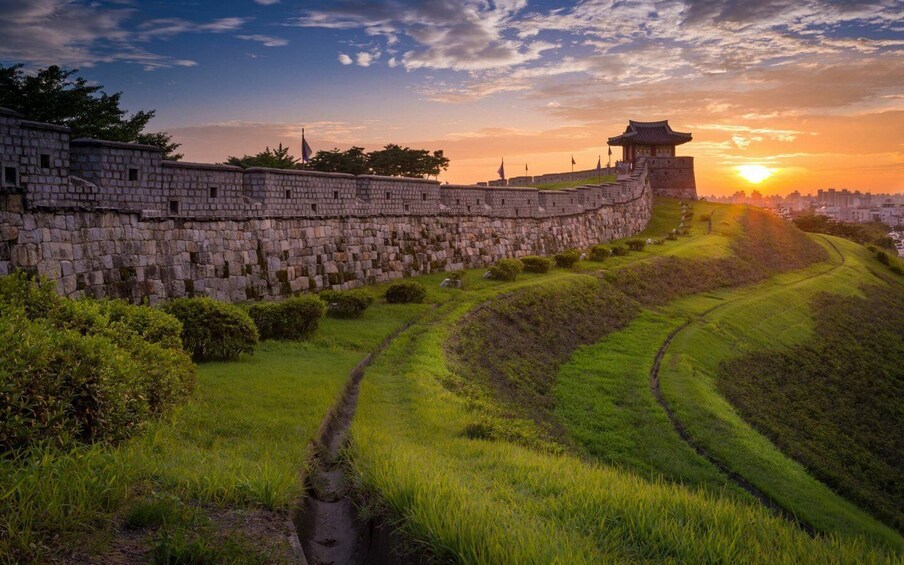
pixel 525 168
pixel 599 165
pixel 572 160
pixel 609 162
pixel 501 170
pixel 305 149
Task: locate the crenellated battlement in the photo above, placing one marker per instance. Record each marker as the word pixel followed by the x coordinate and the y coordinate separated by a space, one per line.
pixel 108 219
pixel 91 174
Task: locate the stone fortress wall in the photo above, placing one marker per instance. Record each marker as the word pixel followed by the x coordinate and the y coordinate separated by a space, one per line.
pixel 113 219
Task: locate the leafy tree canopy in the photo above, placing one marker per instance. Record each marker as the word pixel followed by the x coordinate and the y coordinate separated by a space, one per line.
pixel 394 160
pixel 55 95
pixel 391 161
pixel 278 158
pixel 353 161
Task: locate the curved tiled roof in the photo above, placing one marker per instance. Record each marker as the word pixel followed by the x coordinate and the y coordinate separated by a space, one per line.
pixel 650 133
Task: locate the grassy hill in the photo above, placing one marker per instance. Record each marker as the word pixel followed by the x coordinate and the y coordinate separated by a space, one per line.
pixel 512 422
pixel 465 445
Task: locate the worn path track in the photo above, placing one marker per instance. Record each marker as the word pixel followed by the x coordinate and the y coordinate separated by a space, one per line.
pixel 327 520
pixel 736 478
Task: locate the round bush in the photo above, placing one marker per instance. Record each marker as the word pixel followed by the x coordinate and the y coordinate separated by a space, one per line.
pixel 619 251
pixel 408 292
pixel 636 244
pixel 599 253
pixel 292 318
pixel 213 330
pixel 82 371
pixel 536 264
pixel 346 304
pixel 506 269
pixel 567 259
pixel 883 257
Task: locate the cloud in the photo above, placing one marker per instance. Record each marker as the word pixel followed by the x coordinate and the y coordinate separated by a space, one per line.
pixel 445 34
pixel 83 34
pixel 265 40
pixel 345 59
pixel 364 59
pixel 266 2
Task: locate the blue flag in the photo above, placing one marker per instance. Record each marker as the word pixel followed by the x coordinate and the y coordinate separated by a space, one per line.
pixel 305 149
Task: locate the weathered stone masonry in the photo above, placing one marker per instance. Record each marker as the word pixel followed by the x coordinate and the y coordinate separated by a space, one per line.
pixel 112 219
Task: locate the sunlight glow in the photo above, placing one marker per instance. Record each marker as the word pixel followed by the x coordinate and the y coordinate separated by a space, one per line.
pixel 755 173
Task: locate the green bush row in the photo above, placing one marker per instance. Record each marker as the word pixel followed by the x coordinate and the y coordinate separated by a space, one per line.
pixel 83 371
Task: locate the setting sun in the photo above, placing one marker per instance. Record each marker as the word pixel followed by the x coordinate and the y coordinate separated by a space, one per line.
pixel 755 173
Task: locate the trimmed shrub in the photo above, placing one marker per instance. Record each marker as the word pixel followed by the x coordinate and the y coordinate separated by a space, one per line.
pixel 213 330
pixel 347 304
pixel 506 269
pixel 536 264
pixel 567 259
pixel 151 324
pixel 292 318
pixel 883 257
pixel 871 248
pixel 636 244
pixel 408 292
pixel 896 269
pixel 83 371
pixel 619 251
pixel 599 253
pixel 672 236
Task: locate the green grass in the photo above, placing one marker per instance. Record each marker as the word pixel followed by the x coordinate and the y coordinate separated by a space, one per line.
pixel 242 441
pixel 493 501
pixel 575 183
pixel 833 402
pixel 768 317
pixel 604 400
pixel 474 499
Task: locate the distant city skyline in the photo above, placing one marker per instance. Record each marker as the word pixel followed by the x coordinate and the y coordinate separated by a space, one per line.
pixel 798 95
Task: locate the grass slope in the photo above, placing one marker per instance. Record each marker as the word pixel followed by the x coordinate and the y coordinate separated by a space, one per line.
pixel 574 183
pixel 834 402
pixel 768 317
pixel 483 498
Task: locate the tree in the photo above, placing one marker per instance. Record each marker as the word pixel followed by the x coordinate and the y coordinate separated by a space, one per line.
pixel 353 161
pixel 56 96
pixel 394 160
pixel 278 158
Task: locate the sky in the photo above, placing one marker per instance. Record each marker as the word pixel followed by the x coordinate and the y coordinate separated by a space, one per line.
pixel 812 90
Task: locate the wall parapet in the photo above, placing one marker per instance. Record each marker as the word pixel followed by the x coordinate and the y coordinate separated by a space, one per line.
pixel 108 219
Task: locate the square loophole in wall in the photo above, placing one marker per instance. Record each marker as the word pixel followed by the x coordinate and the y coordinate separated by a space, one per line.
pixel 10 176
pixel 214 192
pixel 174 206
pixel 133 174
pixel 288 194
pixel 45 161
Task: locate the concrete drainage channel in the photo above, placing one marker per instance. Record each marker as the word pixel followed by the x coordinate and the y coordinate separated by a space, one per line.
pixel 326 521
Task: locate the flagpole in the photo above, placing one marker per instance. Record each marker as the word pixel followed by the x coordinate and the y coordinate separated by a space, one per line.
pixel 303 162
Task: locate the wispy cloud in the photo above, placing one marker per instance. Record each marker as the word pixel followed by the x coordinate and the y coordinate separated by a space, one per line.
pixel 77 33
pixel 265 40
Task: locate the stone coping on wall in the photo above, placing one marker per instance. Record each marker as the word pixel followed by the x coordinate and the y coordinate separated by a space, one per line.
pixel 91 142
pixel 298 172
pixel 202 166
pixel 28 124
pixel 4 111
